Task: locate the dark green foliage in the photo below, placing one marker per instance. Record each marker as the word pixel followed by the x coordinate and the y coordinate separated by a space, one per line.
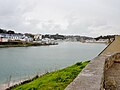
pixel 79 63
pixel 104 37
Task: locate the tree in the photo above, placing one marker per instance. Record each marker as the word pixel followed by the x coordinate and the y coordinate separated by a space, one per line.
pixel 3 31
pixel 10 32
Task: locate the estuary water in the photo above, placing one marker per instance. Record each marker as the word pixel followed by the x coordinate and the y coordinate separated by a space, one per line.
pixel 19 62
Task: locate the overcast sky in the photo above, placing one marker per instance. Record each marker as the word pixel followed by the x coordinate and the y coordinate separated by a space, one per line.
pixel 78 17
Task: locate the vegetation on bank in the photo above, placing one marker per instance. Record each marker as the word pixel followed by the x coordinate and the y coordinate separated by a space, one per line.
pixel 57 80
pixel 22 44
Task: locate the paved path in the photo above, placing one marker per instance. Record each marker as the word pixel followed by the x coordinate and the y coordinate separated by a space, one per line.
pixel 113 47
pixel 112 77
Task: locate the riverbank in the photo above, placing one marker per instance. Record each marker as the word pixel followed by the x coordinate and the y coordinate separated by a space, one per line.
pixel 98 42
pixel 23 44
pixel 57 80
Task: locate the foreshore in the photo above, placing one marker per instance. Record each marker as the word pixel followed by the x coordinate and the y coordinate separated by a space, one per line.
pixel 5 85
pixel 22 44
pixel 12 83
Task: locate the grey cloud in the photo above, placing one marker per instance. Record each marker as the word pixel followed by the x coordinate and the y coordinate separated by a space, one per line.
pixel 84 17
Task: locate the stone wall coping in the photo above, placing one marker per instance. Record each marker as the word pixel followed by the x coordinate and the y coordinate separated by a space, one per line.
pixel 92 76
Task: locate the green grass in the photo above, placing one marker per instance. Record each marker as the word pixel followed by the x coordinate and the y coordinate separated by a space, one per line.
pixel 57 80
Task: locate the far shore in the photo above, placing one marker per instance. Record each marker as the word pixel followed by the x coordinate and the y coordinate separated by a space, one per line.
pixel 23 44
pixel 98 42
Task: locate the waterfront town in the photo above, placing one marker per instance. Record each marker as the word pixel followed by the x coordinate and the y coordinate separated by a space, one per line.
pixel 11 36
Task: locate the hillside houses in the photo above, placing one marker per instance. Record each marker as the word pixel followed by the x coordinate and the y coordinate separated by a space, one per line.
pixel 22 37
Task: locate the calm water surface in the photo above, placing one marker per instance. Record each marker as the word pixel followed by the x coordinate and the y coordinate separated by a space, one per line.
pixel 24 61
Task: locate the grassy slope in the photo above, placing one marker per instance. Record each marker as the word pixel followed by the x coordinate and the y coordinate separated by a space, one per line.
pixel 56 80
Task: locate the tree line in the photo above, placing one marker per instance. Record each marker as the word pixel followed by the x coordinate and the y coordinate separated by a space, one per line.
pixel 7 31
pixel 105 37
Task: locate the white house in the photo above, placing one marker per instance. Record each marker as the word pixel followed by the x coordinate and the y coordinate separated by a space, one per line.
pixel 38 37
pixel 14 37
pixel 48 41
pixel 3 39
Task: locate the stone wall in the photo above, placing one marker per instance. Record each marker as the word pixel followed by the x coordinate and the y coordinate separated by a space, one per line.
pixel 110 60
pixel 92 76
